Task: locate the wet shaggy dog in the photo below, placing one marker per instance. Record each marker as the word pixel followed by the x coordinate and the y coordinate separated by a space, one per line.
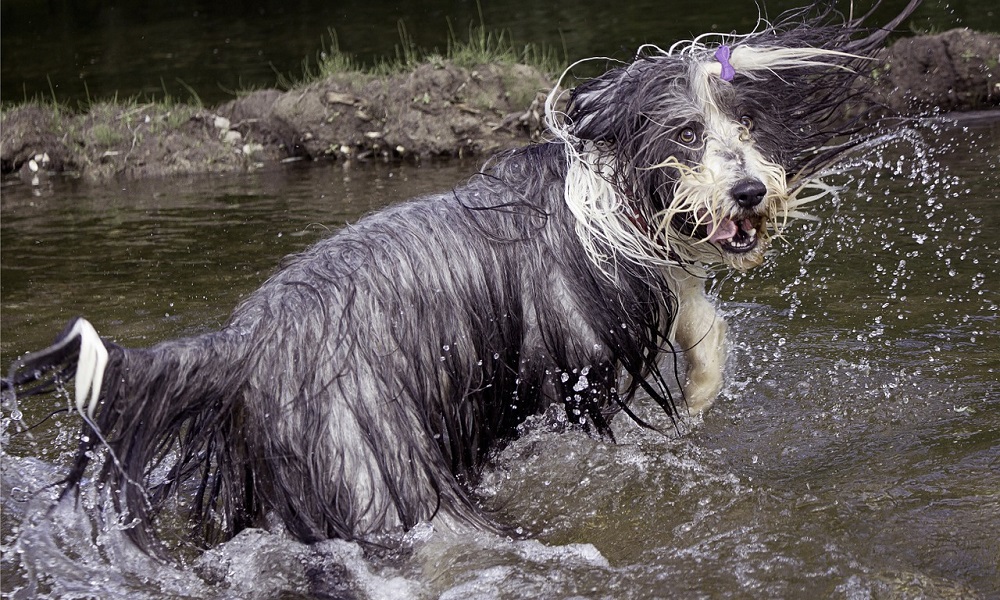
pixel 359 390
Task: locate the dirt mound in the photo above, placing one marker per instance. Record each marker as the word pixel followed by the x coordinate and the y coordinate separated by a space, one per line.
pixel 141 140
pixel 437 109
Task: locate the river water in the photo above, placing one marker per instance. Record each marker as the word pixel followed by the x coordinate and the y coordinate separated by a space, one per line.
pixel 80 51
pixel 854 453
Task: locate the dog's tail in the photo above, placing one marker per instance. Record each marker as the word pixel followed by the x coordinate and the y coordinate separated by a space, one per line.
pixel 166 416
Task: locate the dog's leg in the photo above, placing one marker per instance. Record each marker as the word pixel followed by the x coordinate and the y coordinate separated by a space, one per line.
pixel 699 332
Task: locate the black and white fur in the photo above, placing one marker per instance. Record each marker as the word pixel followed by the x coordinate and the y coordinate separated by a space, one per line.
pixel 360 389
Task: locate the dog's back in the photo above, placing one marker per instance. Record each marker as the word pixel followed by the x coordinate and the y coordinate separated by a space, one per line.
pixel 412 342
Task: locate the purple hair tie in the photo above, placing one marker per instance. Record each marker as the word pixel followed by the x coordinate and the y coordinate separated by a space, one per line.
pixel 722 55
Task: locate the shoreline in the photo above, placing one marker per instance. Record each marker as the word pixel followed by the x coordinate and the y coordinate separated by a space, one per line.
pixel 435 109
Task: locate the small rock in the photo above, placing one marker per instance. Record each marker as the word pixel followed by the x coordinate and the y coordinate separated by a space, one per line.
pixel 339 98
pixel 249 149
pixel 232 137
pixel 106 157
pixel 221 123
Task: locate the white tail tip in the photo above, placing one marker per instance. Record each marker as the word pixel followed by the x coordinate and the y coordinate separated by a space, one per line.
pixel 90 367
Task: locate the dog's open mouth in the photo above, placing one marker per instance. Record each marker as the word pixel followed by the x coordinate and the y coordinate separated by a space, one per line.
pixel 737 236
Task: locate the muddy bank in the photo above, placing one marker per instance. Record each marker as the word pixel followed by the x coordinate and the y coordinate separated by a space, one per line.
pixel 958 70
pixel 437 109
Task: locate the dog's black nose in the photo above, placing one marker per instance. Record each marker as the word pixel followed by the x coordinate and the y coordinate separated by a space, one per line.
pixel 748 193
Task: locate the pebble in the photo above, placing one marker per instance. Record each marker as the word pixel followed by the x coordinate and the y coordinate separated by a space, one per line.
pixel 249 149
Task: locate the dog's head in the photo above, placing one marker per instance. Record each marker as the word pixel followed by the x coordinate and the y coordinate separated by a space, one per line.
pixel 695 157
pixel 695 154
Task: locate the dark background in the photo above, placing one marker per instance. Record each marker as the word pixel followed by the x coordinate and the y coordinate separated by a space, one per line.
pixel 84 50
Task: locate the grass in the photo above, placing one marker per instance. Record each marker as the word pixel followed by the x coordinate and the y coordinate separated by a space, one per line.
pixel 495 47
pixel 481 46
pixel 106 136
pixel 167 101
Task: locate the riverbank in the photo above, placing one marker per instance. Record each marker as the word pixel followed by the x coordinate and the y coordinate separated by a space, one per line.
pixel 437 108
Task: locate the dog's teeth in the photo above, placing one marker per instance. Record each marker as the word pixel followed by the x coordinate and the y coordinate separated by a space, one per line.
pixel 748 227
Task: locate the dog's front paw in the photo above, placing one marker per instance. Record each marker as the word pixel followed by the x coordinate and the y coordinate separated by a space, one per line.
pixel 701 390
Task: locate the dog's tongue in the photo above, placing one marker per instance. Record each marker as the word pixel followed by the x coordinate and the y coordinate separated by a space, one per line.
pixel 725 231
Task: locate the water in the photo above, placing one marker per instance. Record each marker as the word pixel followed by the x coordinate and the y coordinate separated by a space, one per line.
pixel 79 52
pixel 855 452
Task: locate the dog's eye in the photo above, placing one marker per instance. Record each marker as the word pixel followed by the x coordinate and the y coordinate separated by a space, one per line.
pixel 687 136
pixel 747 122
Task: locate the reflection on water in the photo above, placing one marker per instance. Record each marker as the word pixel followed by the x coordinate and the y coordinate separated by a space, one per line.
pixel 855 452
pixel 79 51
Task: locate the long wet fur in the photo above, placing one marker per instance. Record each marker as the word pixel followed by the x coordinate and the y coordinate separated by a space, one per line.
pixel 360 389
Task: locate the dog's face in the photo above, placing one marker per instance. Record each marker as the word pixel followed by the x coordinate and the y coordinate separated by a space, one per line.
pixel 724 190
pixel 696 155
pixel 699 164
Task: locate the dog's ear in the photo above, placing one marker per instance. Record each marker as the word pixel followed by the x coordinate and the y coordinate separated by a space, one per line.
pixel 617 106
pixel 595 107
